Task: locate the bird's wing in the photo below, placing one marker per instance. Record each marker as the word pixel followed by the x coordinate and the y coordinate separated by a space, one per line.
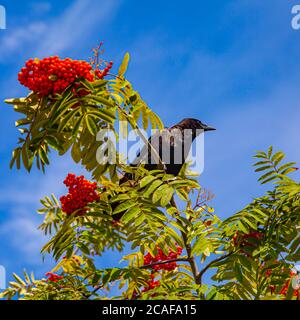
pixel 171 145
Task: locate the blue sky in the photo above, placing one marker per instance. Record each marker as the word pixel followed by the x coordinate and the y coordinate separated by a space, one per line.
pixel 233 64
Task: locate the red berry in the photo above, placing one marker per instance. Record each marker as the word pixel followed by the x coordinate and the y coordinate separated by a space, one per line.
pixel 53 277
pixel 149 259
pixel 53 75
pixel 81 193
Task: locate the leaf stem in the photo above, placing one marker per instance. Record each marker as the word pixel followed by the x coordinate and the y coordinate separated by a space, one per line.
pixel 208 266
pixel 187 245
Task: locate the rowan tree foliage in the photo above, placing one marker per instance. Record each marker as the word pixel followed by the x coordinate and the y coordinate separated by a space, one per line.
pixel 175 236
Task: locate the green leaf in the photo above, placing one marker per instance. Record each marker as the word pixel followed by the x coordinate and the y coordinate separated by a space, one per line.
pixel 285 166
pixel 88 85
pixel 288 170
pixel 145 119
pixel 174 235
pixel 77 126
pixel 250 223
pixel 267 175
pixel 290 291
pixel 295 244
pixel 76 152
pixel 238 272
pixel 53 142
pixel 15 158
pixel 104 114
pixel 242 227
pixel 120 197
pixel 91 125
pixel 269 179
pixel 64 107
pixel 43 155
pixel 99 83
pixel 156 121
pixel 66 119
pixel 150 189
pixel 261 155
pixel 100 100
pixel 259 163
pixel 131 214
pixel 159 193
pixel 123 123
pixel 167 196
pixel 182 194
pixel 124 65
pixel 270 151
pixel 264 168
pixel 199 245
pixel 146 180
pixel 25 157
pixel 17 101
pixel 245 262
pixel 124 206
pixel 277 157
pixel 22 122
pixel 19 280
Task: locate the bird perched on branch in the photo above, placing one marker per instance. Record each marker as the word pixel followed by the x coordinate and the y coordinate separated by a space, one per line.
pixel 167 150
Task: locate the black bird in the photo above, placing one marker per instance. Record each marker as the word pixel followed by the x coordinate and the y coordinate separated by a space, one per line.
pixel 169 148
pixel 171 144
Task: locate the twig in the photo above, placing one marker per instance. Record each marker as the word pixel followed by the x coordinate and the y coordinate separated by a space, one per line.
pixel 161 165
pixel 147 266
pixel 96 289
pixel 201 273
pixel 188 248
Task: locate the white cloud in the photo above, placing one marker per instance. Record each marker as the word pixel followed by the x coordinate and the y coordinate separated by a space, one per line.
pixel 74 25
pixel 55 36
pixel 29 188
pixel 23 237
pixel 13 41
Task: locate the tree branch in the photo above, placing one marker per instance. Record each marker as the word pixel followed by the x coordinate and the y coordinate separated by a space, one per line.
pixel 96 289
pixel 150 265
pixel 201 273
pixel 134 125
pixel 188 248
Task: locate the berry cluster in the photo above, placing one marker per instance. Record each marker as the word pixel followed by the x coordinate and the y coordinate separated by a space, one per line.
pixel 268 273
pixel 151 284
pixel 81 192
pixel 53 277
pixel 247 242
pixel 149 259
pixel 284 289
pixel 53 75
pixel 101 74
pixel 242 240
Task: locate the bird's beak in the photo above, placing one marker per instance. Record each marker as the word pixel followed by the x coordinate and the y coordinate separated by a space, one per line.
pixel 208 128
